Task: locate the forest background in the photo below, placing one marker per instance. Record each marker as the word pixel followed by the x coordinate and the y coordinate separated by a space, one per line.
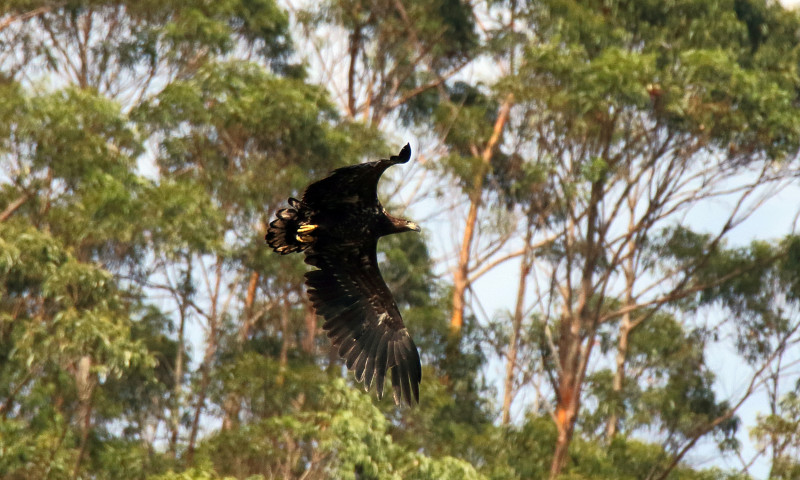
pixel 606 286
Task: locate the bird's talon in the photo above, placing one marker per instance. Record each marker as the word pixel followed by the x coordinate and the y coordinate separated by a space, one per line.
pixel 304 238
pixel 307 228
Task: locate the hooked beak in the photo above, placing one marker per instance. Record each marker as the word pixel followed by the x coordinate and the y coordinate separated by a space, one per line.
pixel 413 226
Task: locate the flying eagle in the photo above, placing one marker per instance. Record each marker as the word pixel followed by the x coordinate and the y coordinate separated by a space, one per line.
pixel 337 224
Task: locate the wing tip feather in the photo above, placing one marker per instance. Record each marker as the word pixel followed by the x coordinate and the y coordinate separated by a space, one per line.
pixel 369 344
pixel 404 155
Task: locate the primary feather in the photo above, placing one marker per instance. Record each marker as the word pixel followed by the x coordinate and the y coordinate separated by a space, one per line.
pixel 337 224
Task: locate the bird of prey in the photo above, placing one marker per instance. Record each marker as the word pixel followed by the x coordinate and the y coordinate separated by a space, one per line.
pixel 337 224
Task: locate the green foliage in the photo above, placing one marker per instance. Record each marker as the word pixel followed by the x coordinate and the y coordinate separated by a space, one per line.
pixel 75 155
pixel 79 313
pixel 707 67
pixel 337 433
pixel 219 136
pixel 670 389
pixel 204 472
pixel 444 28
pixel 780 432
pixel 144 34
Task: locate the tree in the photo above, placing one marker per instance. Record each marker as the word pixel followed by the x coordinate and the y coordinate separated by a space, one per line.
pixel 778 433
pixel 67 319
pixel 633 133
pixel 65 328
pixel 395 54
pixel 216 138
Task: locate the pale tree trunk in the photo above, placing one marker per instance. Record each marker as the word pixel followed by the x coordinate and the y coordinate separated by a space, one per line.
pixel 619 375
pixel 249 301
pixel 574 356
pixel 231 406
pixel 625 325
pixel 177 377
pixel 310 336
pixel 578 329
pixel 461 271
pixel 461 274
pixel 564 384
pixel 516 325
pixel 85 383
pixel 208 357
pixel 283 359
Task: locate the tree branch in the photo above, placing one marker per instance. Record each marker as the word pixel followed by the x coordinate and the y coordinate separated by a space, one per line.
pixel 13 206
pixel 21 17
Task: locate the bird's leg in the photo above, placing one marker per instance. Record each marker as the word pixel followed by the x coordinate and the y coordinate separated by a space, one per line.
pixel 303 233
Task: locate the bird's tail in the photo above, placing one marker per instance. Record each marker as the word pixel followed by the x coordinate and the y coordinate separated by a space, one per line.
pixel 283 235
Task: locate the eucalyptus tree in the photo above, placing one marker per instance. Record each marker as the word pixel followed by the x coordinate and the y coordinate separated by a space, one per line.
pixel 639 113
pixel 68 323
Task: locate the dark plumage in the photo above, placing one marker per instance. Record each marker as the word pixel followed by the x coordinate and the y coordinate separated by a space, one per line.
pixel 337 224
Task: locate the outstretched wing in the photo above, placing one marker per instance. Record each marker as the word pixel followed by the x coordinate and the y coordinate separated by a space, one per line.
pixel 352 184
pixel 362 319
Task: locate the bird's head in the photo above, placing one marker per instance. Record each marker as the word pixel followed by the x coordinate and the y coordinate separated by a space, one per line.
pixel 399 225
pixel 412 226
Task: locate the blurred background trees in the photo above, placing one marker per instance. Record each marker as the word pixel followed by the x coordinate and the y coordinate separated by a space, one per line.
pixel 603 288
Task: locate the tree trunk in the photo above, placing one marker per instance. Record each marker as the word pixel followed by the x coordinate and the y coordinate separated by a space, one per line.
pixel 625 325
pixel 511 357
pixel 334 364
pixel 283 359
pixel 231 406
pixel 177 392
pixel 460 276
pixel 13 206
pixel 567 392
pixel 85 384
pixel 578 329
pixel 619 374
pixel 205 379
pixel 208 357
pixel 249 301
pixel 311 329
pixel 461 272
pixel 21 17
pixel 355 45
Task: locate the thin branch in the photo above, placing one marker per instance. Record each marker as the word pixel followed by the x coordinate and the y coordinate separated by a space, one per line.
pixel 486 267
pixel 423 88
pixel 13 206
pixel 6 22
pixel 752 386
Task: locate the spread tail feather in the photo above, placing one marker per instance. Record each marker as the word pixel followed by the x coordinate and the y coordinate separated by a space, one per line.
pixel 282 233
